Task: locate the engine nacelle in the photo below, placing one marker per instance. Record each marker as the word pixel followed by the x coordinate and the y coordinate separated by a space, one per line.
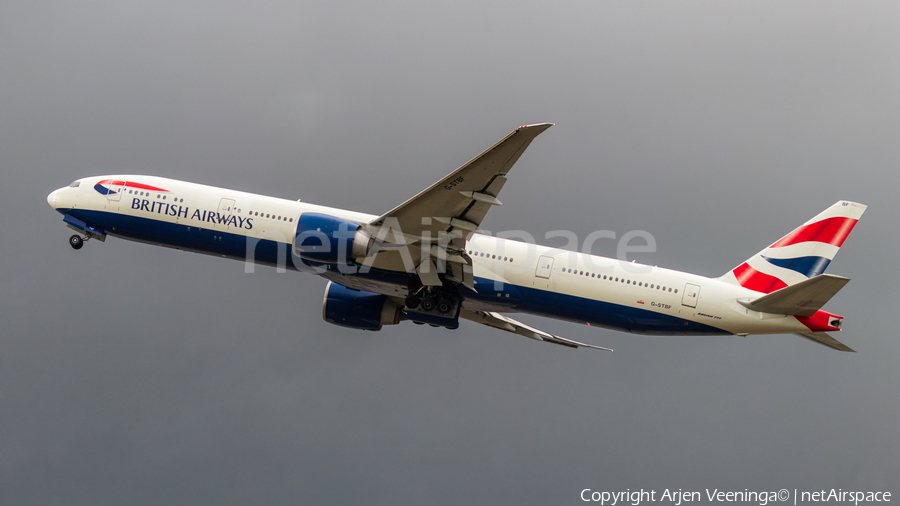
pixel 329 239
pixel 359 310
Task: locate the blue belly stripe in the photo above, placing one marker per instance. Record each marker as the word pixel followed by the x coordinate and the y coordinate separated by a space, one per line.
pixel 584 310
pixel 268 252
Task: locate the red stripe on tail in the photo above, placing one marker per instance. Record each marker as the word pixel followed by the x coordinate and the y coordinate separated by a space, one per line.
pixel 751 278
pixel 830 230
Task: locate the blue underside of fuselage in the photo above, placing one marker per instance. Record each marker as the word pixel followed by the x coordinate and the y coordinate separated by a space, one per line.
pixel 509 296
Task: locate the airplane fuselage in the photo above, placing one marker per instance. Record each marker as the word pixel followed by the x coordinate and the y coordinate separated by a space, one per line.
pixel 509 276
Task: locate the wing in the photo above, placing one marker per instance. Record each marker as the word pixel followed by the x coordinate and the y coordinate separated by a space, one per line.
pixel 499 321
pixel 462 199
pixel 445 215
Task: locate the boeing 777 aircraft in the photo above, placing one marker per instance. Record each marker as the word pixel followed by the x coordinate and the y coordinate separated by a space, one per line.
pixel 426 260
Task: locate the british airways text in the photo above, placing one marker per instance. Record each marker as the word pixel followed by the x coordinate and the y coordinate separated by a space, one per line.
pixel 167 209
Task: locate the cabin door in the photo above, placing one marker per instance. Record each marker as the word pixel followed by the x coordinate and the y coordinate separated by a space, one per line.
pixel 691 295
pixel 544 266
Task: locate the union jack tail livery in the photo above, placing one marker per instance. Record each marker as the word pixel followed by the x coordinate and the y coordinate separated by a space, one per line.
pixel 790 273
pixel 801 255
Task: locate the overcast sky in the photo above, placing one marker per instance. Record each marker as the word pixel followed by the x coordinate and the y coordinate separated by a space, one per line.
pixel 131 374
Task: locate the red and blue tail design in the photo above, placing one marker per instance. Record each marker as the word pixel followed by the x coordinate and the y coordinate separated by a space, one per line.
pixel 800 255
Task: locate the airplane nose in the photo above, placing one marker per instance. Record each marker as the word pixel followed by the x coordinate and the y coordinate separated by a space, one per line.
pixel 51 199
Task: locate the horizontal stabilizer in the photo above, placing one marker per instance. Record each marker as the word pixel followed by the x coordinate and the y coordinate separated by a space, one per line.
pixel 499 321
pixel 823 338
pixel 801 299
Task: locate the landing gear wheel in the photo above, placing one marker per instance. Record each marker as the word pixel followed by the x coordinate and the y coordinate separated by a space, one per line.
pixel 412 301
pixel 76 242
pixel 427 304
pixel 443 306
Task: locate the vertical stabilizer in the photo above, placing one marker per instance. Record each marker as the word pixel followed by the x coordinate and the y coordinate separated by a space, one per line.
pixel 800 255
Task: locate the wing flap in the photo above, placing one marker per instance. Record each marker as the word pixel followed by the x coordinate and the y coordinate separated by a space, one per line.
pixel 801 299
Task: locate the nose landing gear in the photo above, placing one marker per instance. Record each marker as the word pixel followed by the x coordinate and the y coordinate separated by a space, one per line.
pixel 89 231
pixel 76 242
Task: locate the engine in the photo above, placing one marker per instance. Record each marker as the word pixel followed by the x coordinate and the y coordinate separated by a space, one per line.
pixel 329 239
pixel 359 310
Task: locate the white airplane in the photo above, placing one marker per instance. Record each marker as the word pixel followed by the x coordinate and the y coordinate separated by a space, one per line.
pixel 426 260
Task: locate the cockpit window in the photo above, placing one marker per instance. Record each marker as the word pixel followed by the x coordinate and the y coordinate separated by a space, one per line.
pixel 74 184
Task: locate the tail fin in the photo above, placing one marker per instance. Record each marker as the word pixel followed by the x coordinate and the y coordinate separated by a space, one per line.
pixel 800 255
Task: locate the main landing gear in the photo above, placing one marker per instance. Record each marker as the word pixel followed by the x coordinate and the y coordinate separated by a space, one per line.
pixel 429 301
pixel 76 241
pixel 437 306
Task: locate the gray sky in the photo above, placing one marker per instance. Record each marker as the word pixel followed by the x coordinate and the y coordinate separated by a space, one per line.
pixel 138 375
